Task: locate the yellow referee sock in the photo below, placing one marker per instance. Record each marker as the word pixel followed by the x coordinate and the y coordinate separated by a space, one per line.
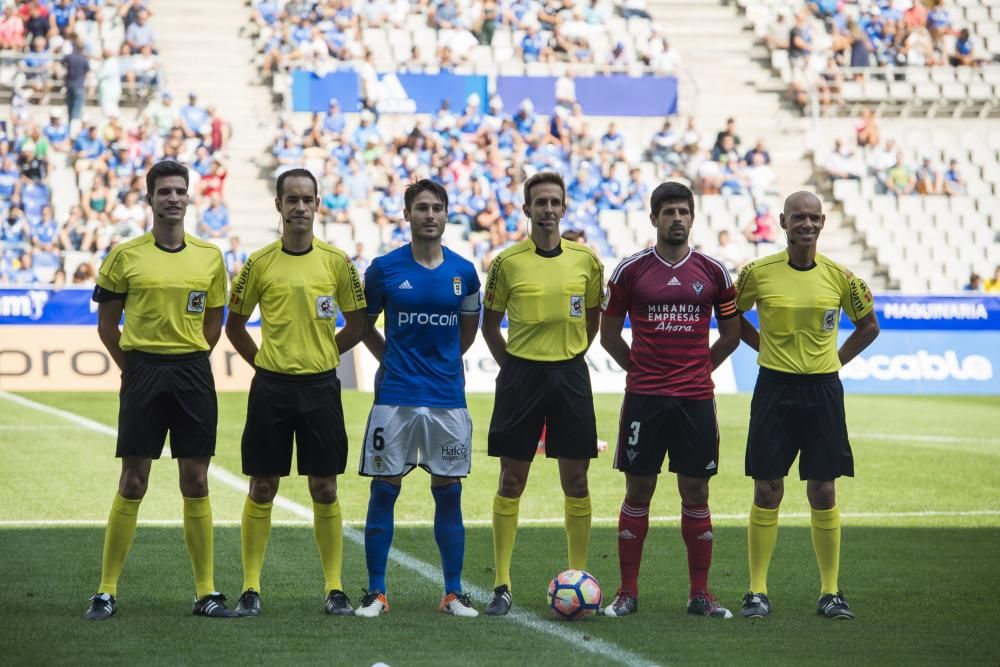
pixel 255 530
pixel 199 540
pixel 826 544
pixel 504 533
pixel 117 541
pixel 761 536
pixel 329 529
pixel 578 531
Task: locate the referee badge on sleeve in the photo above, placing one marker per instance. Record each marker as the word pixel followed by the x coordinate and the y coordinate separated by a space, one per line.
pixel 196 302
pixel 576 305
pixel 326 309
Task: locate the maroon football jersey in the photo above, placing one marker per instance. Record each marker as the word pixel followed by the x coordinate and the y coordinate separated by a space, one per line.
pixel 670 308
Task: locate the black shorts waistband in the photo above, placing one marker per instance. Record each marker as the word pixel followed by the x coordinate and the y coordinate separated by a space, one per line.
pixel 292 378
pixel 546 364
pixel 796 378
pixel 164 358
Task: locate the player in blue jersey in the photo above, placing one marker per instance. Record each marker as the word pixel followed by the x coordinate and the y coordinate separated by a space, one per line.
pixel 430 297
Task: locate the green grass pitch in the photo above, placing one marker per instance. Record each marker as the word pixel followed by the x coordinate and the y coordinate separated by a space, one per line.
pixel 920 564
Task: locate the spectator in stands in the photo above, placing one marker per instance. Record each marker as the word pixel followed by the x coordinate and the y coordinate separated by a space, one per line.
pixel 215 222
pixel 975 283
pixel 334 122
pixel 762 228
pixel 759 148
pixel 964 51
pixel 163 113
pixel 12 29
pixel 760 176
pixel 635 9
pixel 129 217
pixel 45 231
pixel 867 130
pixel 939 22
pixel 76 233
pixel 140 34
pixel 215 181
pixel 777 34
pixel 900 179
pixel 930 180
pixel 84 274
pixel 842 163
pixel 799 40
pixel 194 118
pixel 360 258
pixel 732 255
pixel 728 131
pixel 57 132
pixel 235 257
pixel 23 273
pixel 993 285
pixel 334 205
pixel 36 67
pixel 954 183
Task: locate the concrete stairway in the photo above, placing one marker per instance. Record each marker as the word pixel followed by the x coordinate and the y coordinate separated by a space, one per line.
pixel 723 76
pixel 203 53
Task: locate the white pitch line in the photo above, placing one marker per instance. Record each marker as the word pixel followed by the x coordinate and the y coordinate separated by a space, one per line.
pixel 545 521
pixel 575 638
pixel 916 437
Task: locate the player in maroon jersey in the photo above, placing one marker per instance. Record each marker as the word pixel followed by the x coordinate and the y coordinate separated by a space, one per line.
pixel 669 292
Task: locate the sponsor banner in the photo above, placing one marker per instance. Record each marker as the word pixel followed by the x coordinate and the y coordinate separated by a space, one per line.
pixel 905 362
pixel 612 95
pixel 399 92
pixel 72 358
pixel 930 313
pixel 45 306
pixel 606 376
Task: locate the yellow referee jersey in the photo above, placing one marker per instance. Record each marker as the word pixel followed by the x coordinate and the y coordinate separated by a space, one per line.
pixel 299 294
pixel 546 298
pixel 799 310
pixel 166 292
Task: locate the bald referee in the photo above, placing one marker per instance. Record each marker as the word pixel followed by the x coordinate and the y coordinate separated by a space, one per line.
pixel 798 401
pixel 550 289
pixel 172 289
pixel 299 282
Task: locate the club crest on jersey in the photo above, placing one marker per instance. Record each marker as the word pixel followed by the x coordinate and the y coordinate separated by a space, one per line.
pixel 698 287
pixel 456 285
pixel 378 463
pixel 576 305
pixel 829 319
pixel 325 307
pixel 196 302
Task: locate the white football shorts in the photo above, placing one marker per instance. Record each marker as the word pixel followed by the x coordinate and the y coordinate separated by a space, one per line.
pixel 399 438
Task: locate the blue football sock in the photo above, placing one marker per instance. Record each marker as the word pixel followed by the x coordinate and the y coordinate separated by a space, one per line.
pixel 378 532
pixel 449 531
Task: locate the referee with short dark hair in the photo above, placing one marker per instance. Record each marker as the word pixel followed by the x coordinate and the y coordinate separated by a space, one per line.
pixel 172 290
pixel 798 401
pixel 550 289
pixel 299 282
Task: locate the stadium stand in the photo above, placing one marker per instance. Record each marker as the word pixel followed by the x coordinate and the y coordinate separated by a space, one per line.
pixel 483 151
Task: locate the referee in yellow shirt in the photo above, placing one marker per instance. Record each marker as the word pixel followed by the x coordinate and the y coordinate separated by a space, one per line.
pixel 299 282
pixel 550 289
pixel 798 401
pixel 172 289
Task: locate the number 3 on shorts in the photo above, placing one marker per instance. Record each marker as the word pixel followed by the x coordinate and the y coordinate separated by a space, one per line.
pixel 633 437
pixel 378 442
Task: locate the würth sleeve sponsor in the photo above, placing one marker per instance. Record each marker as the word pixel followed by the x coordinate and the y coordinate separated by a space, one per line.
pixel 350 293
pixel 244 295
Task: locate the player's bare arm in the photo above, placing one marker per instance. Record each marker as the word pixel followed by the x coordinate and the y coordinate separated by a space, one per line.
pixel 374 340
pixel 865 332
pixel 593 324
pixel 212 325
pixel 491 334
pixel 468 326
pixel 612 341
pixel 109 314
pixel 236 332
pixel 354 331
pixel 749 333
pixel 730 332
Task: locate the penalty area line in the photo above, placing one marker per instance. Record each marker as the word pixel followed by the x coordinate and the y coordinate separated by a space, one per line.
pixel 575 638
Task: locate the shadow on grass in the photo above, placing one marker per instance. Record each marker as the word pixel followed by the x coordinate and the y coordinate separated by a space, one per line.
pixel 923 596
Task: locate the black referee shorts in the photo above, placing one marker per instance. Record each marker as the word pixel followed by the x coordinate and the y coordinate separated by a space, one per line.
pixel 167 392
pixel 793 413
pixel 653 426
pixel 551 394
pixel 304 407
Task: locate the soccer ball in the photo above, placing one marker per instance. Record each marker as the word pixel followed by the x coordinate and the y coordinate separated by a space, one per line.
pixel 574 594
